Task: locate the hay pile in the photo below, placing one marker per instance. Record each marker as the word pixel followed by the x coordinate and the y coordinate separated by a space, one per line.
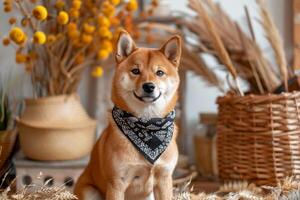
pixel 289 189
pixel 36 192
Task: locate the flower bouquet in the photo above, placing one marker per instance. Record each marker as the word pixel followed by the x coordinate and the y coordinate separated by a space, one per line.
pixel 56 41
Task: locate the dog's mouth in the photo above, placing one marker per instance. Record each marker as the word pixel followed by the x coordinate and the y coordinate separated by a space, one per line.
pixel 147 98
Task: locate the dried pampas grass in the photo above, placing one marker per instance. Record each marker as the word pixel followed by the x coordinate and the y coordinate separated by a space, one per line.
pixel 215 39
pixel 275 40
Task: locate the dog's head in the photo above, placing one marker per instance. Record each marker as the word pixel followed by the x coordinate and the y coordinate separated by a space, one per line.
pixel 146 80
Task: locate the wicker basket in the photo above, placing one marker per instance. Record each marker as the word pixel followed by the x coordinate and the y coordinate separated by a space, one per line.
pixel 259 137
pixel 7 142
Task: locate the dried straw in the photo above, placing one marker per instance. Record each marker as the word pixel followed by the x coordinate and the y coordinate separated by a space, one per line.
pixel 244 52
pixel 275 40
pixel 215 39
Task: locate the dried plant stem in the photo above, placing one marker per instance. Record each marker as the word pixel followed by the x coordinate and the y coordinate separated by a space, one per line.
pixel 275 40
pixel 216 40
pixel 25 13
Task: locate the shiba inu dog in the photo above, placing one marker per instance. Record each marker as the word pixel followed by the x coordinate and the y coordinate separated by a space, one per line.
pixel 137 153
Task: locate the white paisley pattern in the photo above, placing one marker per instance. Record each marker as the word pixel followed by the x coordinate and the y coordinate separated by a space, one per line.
pixel 150 137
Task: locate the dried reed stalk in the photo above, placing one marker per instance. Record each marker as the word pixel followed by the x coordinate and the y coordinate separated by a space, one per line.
pixel 215 39
pixel 275 40
pixel 245 54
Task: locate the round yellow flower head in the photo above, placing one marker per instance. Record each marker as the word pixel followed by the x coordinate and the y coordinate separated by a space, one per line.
pixel 115 21
pixel 59 4
pixel 88 28
pixel 132 5
pixel 12 20
pixel 51 38
pixel 86 38
pixel 39 37
pixel 97 72
pixel 107 45
pixel 20 58
pixel 76 4
pixel 72 26
pixel 62 18
pixel 7 8
pixel 73 34
pixel 6 41
pixel 24 22
pixel 17 35
pixel 74 13
pixel 103 54
pixel 108 9
pixel 104 32
pixel 114 2
pixel 103 21
pixel 40 12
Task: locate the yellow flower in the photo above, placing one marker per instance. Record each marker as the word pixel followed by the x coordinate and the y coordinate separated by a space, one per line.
pixel 103 54
pixel 115 21
pixel 132 5
pixel 72 26
pixel 97 71
pixel 107 45
pixel 62 17
pixel 51 38
pixel 86 38
pixel 39 37
pixel 24 21
pixel 40 12
pixel 74 13
pixel 104 32
pixel 12 20
pixel 103 21
pixel 5 41
pixel 76 4
pixel 59 4
pixel 115 2
pixel 88 28
pixel 20 58
pixel 107 9
pixel 7 8
pixel 17 35
pixel 73 34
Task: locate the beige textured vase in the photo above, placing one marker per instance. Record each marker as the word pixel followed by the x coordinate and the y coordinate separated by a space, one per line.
pixel 56 128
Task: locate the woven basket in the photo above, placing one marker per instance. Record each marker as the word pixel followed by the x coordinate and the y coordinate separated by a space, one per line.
pixel 258 137
pixel 7 142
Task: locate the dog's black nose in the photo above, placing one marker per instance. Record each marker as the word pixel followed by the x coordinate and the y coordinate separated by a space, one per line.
pixel 148 87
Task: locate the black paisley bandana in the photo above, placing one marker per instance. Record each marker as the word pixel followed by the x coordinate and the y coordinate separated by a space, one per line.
pixel 150 137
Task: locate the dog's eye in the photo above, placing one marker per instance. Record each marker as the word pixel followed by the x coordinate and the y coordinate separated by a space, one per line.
pixel 135 71
pixel 160 73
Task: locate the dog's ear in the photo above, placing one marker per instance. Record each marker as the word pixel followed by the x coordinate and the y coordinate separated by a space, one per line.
pixel 172 50
pixel 125 46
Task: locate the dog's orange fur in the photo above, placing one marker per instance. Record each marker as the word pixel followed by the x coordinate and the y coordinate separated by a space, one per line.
pixel 116 169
